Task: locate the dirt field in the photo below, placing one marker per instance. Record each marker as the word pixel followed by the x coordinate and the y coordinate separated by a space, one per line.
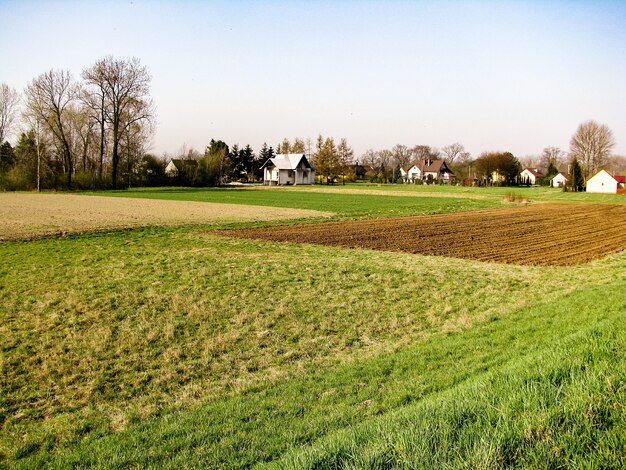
pixel 32 215
pixel 545 234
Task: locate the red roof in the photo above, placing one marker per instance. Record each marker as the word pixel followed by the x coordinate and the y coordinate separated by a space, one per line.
pixel 620 178
pixel 536 173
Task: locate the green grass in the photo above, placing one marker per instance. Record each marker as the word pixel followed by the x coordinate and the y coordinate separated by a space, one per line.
pixel 345 205
pixel 177 348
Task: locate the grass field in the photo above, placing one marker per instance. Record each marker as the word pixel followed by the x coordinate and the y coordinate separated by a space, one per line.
pixel 173 347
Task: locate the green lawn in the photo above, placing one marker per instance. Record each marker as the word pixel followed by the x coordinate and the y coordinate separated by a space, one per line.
pixel 177 348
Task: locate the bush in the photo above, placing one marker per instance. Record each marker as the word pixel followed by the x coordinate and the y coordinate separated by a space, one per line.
pixel 513 196
pixel 15 180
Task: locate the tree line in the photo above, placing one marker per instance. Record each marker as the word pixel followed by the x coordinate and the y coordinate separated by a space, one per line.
pixel 94 133
pixel 88 133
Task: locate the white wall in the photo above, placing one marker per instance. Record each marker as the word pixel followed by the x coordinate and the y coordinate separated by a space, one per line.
pixel 602 183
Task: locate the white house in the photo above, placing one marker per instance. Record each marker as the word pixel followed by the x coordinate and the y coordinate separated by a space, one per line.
pixel 530 176
pixel 559 180
pixel 292 168
pixel 604 182
pixel 422 170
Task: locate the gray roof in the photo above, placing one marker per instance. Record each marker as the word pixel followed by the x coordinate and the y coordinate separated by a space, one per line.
pixel 287 161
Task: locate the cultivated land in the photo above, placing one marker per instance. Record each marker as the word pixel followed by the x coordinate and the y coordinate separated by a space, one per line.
pixel 175 347
pixel 544 234
pixel 31 215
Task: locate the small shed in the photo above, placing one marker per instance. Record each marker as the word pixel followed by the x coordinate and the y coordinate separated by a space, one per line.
pixel 604 182
pixel 558 181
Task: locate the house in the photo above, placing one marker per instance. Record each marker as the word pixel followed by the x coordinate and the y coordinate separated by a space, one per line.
pixel 558 181
pixel 292 168
pixel 604 182
pixel 427 170
pixel 529 176
pixel 181 168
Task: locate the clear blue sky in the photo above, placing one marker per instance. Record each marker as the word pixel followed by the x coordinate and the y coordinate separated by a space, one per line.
pixel 516 76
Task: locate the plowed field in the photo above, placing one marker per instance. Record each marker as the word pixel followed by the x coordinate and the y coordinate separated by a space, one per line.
pixel 544 234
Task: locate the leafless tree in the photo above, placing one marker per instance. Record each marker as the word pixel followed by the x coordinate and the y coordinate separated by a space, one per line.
pixel 401 155
pixel 49 98
pixel 455 153
pixel 9 102
pixel 552 156
pixel 591 145
pixel 125 86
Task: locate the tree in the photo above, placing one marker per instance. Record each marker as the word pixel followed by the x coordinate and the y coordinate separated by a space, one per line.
pixel 401 155
pixel 455 153
pixel 424 152
pixel 216 156
pixel 497 167
pixel 576 179
pixel 7 156
pixel 298 146
pixel 551 156
pixel 327 160
pixel 591 145
pixel 49 98
pixel 284 147
pixel 345 156
pixel 125 86
pixel 9 102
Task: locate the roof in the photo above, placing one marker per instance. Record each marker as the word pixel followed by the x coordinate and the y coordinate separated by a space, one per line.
pixel 432 166
pixel 620 178
pixel 179 162
pixel 533 171
pixel 560 173
pixel 287 161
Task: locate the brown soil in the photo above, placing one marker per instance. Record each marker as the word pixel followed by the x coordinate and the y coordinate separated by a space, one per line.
pixel 542 235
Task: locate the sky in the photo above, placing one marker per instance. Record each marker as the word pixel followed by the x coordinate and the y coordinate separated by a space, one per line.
pixel 516 76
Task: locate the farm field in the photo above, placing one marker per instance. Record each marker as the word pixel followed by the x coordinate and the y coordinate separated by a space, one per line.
pixel 31 215
pixel 173 346
pixel 545 234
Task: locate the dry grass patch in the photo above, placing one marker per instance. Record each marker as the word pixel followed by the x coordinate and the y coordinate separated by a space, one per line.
pixel 33 215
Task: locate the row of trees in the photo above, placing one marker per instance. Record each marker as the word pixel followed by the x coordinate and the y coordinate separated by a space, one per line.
pixel 96 129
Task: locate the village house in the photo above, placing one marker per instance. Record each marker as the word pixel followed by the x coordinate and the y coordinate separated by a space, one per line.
pixel 558 181
pixel 529 176
pixel 604 182
pixel 292 168
pixel 425 170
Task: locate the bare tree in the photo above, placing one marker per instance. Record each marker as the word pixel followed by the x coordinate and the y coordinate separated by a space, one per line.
pixel 49 98
pixel 455 153
pixel 401 155
pixel 9 102
pixel 125 85
pixel 591 145
pixel 551 159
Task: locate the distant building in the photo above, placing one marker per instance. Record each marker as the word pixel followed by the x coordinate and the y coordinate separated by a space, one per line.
pixel 529 176
pixel 559 180
pixel 179 168
pixel 425 169
pixel 292 168
pixel 604 182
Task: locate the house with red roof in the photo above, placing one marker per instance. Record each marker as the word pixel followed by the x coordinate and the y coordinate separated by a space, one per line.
pixel 604 182
pixel 429 169
pixel 529 176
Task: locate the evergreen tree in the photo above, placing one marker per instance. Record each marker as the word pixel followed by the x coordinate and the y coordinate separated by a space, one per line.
pixel 7 156
pixel 576 178
pixel 552 170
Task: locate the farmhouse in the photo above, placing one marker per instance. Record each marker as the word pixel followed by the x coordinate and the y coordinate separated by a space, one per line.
pixel 292 168
pixel 559 180
pixel 604 182
pixel 427 170
pixel 178 167
pixel 529 176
